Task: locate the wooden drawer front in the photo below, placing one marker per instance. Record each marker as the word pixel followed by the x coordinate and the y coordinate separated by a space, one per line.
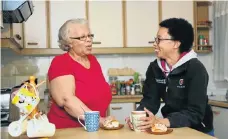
pixel 121 110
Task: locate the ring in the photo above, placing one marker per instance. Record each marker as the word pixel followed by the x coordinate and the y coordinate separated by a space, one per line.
pixel 126 120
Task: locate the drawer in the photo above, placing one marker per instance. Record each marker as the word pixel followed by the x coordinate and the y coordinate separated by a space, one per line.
pixel 121 110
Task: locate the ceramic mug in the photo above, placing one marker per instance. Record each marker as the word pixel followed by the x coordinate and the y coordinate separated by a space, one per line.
pixel 40 127
pixel 17 128
pixel 134 117
pixel 92 119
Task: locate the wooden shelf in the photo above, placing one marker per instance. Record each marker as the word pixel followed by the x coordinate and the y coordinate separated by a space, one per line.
pixel 203 26
pixel 204 3
pixel 127 98
pixel 203 51
pixel 57 51
pixel 204 45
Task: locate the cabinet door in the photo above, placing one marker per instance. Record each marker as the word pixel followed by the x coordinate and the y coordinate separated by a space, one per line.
pixel 141 23
pixel 60 12
pixel 105 19
pixel 178 9
pixel 121 110
pixel 220 122
pixel 35 28
pixel 13 31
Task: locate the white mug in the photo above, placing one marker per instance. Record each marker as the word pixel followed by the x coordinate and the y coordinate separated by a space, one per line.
pixel 134 117
pixel 17 128
pixel 40 128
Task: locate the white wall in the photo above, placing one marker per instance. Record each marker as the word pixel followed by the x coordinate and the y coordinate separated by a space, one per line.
pixel 138 62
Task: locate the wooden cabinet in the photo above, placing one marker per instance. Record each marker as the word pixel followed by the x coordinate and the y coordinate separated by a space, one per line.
pixel 60 12
pixel 178 9
pixel 120 27
pixel 105 18
pixel 142 22
pixel 220 122
pixel 202 26
pixel 121 110
pixel 12 36
pixel 35 28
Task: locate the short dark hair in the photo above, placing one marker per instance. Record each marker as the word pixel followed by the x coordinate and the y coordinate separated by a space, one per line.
pixel 181 30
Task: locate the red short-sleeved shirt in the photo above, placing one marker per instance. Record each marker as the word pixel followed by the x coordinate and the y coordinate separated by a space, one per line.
pixel 91 88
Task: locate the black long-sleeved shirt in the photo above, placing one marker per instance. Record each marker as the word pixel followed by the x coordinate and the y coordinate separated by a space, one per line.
pixel 184 92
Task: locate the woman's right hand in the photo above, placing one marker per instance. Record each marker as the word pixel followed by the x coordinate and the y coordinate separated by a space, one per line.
pixel 128 121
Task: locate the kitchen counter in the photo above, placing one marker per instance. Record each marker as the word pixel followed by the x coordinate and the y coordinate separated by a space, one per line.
pixel 137 98
pixel 218 103
pixel 124 133
pixel 126 99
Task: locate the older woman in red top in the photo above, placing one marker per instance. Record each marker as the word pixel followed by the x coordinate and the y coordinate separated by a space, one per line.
pixel 76 79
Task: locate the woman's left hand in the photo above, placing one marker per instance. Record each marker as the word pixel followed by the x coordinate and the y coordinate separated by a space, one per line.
pixel 103 119
pixel 151 120
pixel 147 122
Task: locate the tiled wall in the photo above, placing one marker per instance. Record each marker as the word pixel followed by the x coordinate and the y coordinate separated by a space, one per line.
pixel 138 62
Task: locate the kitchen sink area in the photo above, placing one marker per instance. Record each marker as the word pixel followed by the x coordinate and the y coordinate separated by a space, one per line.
pixel 221 98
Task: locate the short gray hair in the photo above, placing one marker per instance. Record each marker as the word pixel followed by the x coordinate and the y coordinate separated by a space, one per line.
pixel 63 38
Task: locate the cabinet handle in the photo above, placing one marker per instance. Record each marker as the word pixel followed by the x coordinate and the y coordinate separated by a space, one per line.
pixel 116 108
pixel 32 43
pixel 17 36
pixel 96 43
pixel 216 112
pixel 151 42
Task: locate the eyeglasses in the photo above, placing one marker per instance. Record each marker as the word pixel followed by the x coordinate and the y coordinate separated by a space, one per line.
pixel 83 38
pixel 158 40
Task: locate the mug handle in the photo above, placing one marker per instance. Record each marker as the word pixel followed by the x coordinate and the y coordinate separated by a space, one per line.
pixel 81 122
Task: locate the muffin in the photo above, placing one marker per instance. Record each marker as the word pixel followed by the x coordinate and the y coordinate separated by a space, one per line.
pixel 111 124
pixel 158 128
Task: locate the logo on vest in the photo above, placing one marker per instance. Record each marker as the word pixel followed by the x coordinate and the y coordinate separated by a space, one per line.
pixel 161 81
pixel 181 82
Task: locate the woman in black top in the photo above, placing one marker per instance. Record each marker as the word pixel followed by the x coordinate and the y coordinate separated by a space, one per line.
pixel 179 78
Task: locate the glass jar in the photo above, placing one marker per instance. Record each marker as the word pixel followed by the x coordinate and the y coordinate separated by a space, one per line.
pixel 137 89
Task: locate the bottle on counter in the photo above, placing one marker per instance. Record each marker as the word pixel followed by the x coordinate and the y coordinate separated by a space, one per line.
pixel 141 83
pixel 128 89
pixel 123 89
pixel 132 90
pixel 137 89
pixel 205 41
pixel 113 88
pixel 201 40
pixel 118 87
